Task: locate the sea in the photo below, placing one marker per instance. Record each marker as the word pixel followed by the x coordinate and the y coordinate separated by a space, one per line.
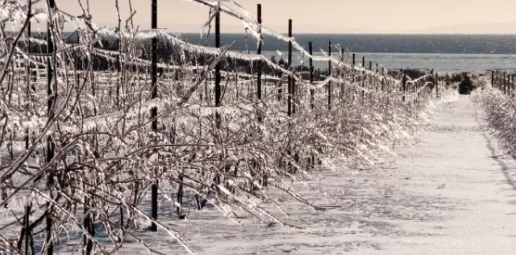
pixel 450 53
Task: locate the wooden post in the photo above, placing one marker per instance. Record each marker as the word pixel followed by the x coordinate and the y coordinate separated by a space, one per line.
pixel 329 75
pixel 154 110
pixel 289 65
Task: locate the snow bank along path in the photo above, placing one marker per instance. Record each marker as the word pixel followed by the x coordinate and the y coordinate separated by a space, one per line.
pixel 452 192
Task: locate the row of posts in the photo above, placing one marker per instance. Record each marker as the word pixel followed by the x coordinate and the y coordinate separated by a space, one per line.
pixel 497 81
pixel 503 81
pixel 291 83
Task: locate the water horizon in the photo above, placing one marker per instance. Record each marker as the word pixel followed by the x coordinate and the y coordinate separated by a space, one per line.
pixel 387 43
pixel 445 52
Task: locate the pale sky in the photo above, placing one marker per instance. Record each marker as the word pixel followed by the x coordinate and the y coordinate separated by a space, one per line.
pixel 324 16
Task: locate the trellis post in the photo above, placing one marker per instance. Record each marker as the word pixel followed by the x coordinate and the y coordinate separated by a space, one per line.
pixel 329 75
pixel 259 52
pixel 50 142
pixel 154 110
pixel 289 65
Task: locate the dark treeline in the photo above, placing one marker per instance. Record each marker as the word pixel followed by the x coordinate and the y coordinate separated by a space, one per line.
pixel 373 43
pixel 170 54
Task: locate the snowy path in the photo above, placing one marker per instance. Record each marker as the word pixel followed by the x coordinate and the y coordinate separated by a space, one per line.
pixel 463 165
pixel 450 193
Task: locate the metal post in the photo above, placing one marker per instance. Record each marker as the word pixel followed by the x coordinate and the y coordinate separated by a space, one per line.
pixel 353 74
pixel 343 77
pixel 154 110
pixel 50 142
pixel 26 225
pixel 495 79
pixel 508 84
pixel 28 71
pixel 437 85
pixel 383 80
pixel 404 84
pixel 259 52
pixel 312 92
pixel 289 65
pixel 217 69
pixel 294 96
pixel 499 82
pixel 504 83
pixel 363 79
pixel 492 78
pixel 311 63
pixel 293 89
pixel 370 80
pixel 329 75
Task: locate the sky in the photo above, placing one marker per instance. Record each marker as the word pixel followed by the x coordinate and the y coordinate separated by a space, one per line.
pixel 322 16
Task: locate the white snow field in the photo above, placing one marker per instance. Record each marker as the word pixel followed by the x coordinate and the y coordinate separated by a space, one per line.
pixel 452 192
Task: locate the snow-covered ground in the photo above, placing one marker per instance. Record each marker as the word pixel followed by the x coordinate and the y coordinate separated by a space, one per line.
pixel 451 192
